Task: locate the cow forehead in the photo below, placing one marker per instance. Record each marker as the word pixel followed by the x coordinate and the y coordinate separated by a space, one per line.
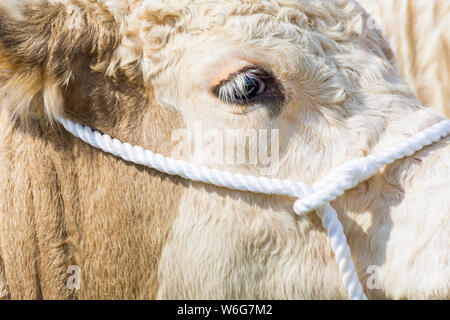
pixel 159 21
pixel 171 25
pixel 194 11
pixel 166 10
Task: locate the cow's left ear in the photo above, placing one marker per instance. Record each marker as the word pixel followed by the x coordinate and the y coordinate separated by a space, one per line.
pixel 43 41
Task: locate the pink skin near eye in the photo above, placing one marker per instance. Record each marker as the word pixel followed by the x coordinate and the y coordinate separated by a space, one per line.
pixel 228 68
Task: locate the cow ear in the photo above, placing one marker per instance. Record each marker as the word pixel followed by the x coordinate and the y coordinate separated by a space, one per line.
pixel 42 42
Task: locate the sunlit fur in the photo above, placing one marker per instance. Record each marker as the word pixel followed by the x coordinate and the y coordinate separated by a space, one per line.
pixel 138 70
pixel 419 32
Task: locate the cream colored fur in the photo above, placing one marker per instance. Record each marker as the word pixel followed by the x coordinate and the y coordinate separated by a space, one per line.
pixel 138 234
pixel 419 33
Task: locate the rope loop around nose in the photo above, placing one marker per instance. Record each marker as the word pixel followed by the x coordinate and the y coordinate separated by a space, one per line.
pixel 316 198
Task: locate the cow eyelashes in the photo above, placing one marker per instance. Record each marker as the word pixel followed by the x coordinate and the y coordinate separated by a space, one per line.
pixel 244 87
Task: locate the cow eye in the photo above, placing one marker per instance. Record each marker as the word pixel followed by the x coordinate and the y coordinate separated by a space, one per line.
pixel 250 88
pixel 242 88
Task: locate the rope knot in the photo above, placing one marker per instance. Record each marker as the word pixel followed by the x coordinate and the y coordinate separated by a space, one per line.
pixel 303 192
pixel 343 178
pixel 316 198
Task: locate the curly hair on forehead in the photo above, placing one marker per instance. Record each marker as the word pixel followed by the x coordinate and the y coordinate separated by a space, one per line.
pixel 136 40
pixel 319 16
pixel 151 25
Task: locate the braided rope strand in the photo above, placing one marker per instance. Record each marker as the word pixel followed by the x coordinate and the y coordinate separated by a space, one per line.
pixel 340 247
pixel 354 172
pixel 310 199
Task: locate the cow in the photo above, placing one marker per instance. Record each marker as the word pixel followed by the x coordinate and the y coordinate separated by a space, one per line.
pixel 77 223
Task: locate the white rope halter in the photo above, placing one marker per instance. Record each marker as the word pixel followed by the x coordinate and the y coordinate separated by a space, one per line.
pixel 316 198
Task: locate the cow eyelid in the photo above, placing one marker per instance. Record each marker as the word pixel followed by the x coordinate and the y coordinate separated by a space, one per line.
pixel 242 87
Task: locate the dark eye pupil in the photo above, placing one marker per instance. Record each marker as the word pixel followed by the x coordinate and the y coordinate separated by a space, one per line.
pixel 251 86
pixel 251 89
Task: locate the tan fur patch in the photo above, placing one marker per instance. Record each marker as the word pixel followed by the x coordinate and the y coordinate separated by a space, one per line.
pixel 62 202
